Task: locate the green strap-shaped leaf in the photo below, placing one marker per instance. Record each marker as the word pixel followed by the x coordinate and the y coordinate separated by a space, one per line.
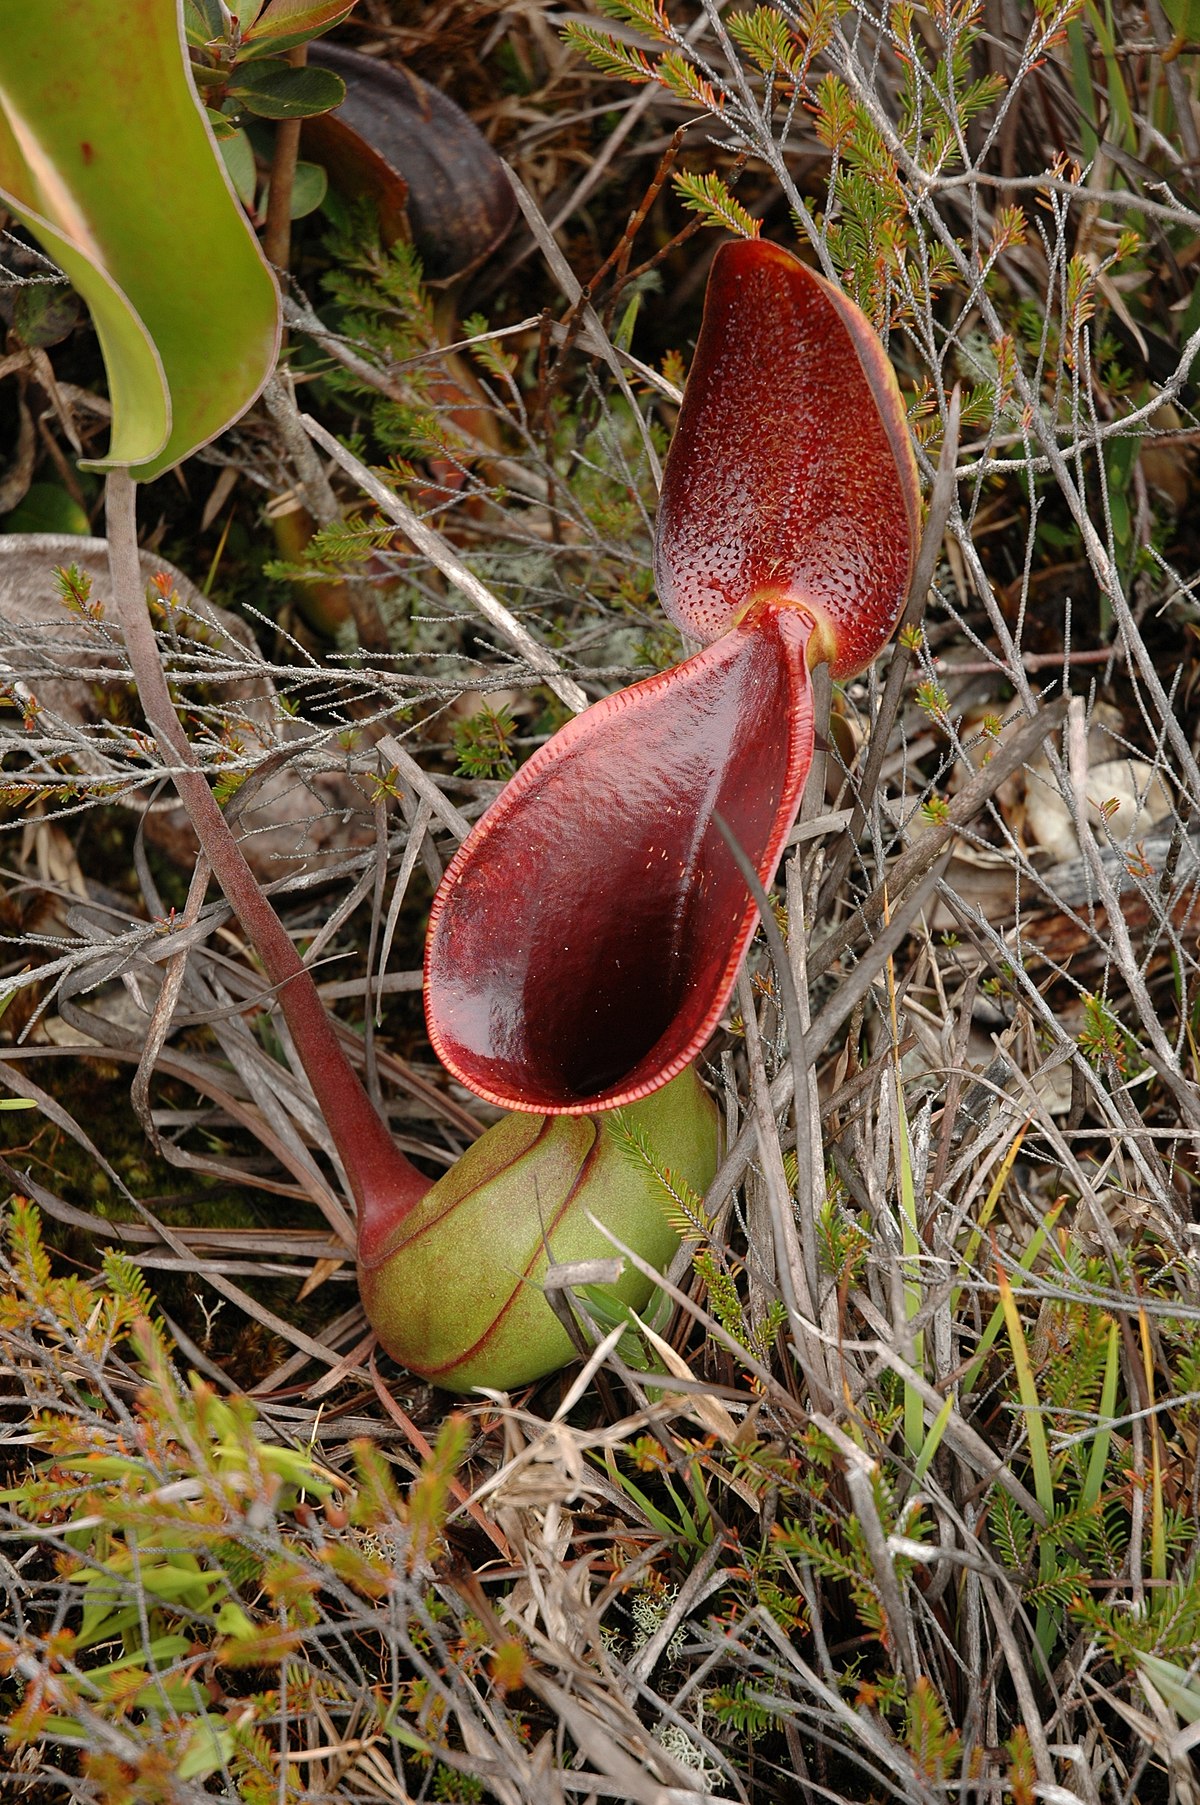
pixel 107 158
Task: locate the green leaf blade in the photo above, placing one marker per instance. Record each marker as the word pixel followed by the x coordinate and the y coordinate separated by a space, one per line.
pixel 285 24
pixel 108 159
pixel 274 89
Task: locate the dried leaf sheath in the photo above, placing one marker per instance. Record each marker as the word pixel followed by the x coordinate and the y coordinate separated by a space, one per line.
pixel 587 935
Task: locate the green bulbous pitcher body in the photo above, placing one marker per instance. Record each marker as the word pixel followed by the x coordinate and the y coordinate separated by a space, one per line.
pixel 455 1291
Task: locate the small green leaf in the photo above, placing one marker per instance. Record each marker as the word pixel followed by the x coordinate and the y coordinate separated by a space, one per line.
pixel 207 75
pixel 45 313
pixel 310 184
pixel 231 1620
pixel 209 1748
pixel 709 196
pixel 155 1654
pixel 204 22
pixel 284 24
pixel 275 90
pixel 238 158
pixel 606 53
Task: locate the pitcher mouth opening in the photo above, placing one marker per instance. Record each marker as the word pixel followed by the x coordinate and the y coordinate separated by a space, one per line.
pixel 595 984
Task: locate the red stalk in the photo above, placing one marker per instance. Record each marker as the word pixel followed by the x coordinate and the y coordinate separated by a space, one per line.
pixel 451 1274
pixel 386 1185
pixel 588 934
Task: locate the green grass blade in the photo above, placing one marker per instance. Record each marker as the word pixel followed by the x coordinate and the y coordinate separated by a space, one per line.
pixel 1158 1530
pixel 932 1441
pixel 910 1259
pixel 1093 1482
pixel 995 1192
pixel 1039 1451
pixel 1037 1241
pixel 1035 1428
